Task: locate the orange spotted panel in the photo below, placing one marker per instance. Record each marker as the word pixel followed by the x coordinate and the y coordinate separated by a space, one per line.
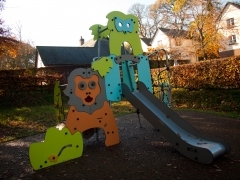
pixel 101 118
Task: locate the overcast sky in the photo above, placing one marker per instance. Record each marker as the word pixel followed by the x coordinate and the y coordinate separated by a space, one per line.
pixel 61 22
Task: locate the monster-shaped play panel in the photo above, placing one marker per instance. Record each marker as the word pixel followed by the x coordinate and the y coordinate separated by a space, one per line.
pixel 58 146
pixel 121 28
pixel 88 105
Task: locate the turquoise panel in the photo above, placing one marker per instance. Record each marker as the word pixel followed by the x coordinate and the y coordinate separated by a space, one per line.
pixel 128 75
pixel 124 25
pixel 144 74
pixel 113 82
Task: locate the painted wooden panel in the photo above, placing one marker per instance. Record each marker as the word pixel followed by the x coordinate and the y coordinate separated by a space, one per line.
pixel 59 146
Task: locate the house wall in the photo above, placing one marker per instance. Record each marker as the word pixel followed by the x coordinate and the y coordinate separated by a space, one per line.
pixel 38 60
pixel 161 40
pixel 230 11
pixel 183 52
pixel 144 47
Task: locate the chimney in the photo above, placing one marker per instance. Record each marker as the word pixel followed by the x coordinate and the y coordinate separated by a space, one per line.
pixel 81 41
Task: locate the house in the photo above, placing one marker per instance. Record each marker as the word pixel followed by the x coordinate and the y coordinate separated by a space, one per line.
pixel 229 25
pixel 176 42
pixel 145 43
pixel 82 55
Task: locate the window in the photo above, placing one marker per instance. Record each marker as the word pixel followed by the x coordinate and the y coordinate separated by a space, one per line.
pixel 230 23
pixel 178 42
pixel 159 43
pixel 232 39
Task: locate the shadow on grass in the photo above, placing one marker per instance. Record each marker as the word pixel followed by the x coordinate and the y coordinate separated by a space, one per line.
pixel 25 121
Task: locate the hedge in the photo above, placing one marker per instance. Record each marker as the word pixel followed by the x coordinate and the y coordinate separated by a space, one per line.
pixel 210 74
pixel 33 80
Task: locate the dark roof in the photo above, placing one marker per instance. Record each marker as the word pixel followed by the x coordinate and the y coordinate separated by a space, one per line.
pixel 237 5
pixel 56 55
pixel 174 32
pixel 146 41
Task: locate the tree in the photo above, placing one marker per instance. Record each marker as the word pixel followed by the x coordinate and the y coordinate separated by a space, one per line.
pixel 203 29
pixel 149 19
pixel 177 5
pixel 14 52
pixel 198 17
pixel 172 19
pixel 7 42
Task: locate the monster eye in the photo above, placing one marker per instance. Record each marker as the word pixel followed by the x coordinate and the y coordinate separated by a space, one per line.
pixel 82 85
pixel 128 25
pixel 92 84
pixel 120 24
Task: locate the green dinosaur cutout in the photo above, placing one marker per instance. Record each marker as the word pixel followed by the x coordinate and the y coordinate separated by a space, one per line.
pixel 104 34
pixel 59 146
pixel 102 65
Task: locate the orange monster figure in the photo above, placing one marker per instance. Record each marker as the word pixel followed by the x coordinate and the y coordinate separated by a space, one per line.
pixel 88 105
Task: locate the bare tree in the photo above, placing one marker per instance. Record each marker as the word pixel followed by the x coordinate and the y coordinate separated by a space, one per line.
pixel 149 19
pixel 23 55
pixel 18 28
pixel 171 19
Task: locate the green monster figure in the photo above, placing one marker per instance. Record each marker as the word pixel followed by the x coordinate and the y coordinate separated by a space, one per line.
pixel 59 146
pixel 119 29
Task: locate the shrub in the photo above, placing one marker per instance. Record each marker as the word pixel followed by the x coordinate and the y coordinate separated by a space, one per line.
pixel 213 74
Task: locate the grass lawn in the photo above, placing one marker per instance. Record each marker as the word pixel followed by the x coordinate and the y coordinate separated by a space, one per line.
pixel 26 121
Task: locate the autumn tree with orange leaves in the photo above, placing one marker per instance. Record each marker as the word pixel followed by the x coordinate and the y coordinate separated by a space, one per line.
pixel 14 53
pixel 7 42
pixel 198 18
pixel 203 29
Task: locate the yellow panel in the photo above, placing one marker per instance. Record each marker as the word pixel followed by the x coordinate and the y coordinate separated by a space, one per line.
pixel 59 110
pixel 59 146
pixel 94 29
pixel 103 66
pixel 116 38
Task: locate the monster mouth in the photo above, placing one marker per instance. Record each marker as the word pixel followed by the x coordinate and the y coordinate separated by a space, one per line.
pixel 88 99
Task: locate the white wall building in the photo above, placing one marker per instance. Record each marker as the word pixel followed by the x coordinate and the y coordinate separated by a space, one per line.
pixel 176 42
pixel 229 26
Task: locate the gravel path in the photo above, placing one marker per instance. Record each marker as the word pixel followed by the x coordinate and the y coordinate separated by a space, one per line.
pixel 142 154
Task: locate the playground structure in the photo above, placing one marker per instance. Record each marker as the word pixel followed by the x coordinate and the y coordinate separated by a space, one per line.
pixel 164 92
pixel 89 91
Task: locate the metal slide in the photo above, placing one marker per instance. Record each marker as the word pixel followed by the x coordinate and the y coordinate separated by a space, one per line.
pixel 185 138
